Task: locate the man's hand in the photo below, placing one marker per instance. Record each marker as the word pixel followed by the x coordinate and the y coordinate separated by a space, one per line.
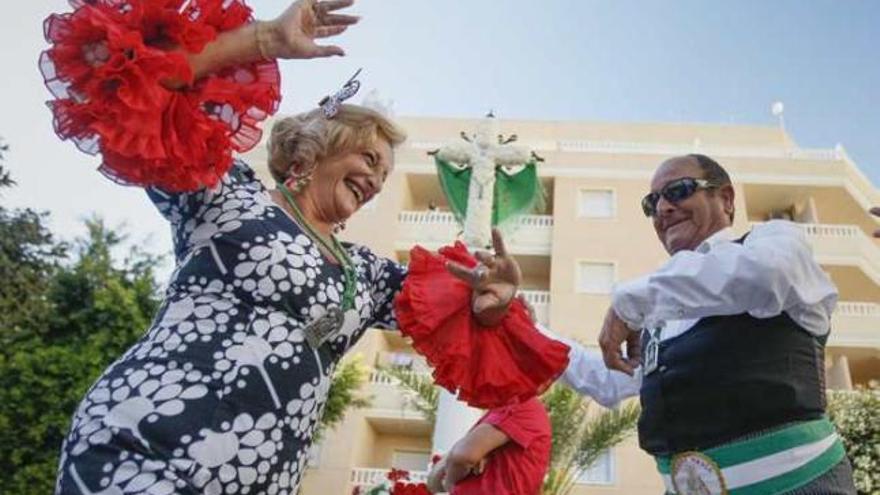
pixel 494 281
pixel 614 334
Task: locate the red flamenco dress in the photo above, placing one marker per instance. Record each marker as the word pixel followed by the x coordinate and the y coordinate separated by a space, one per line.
pixel 106 68
pixel 487 366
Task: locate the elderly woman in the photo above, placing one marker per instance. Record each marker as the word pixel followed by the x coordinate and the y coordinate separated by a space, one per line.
pixel 223 391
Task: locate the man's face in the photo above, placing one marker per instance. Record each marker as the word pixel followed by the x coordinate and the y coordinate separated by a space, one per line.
pixel 685 224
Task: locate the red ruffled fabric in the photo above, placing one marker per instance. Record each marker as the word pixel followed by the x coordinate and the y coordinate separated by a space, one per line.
pixel 105 68
pixel 487 366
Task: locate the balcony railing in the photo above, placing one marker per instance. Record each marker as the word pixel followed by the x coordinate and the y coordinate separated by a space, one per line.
pixel 855 324
pixel 831 230
pixel 371 476
pixel 379 378
pixel 540 301
pixel 858 310
pixel 532 234
pixel 842 245
pixel 427 217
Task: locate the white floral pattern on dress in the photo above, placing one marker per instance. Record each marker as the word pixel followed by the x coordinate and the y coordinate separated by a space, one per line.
pixel 222 393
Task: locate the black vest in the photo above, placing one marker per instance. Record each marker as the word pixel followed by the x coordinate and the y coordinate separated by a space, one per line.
pixel 727 377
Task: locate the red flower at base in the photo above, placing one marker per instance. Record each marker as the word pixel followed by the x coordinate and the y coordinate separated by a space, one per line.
pixel 401 488
pixel 398 474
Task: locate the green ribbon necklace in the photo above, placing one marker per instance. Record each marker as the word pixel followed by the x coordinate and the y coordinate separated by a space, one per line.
pixel 334 247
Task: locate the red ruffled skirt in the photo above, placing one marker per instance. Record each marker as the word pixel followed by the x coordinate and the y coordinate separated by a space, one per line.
pixel 105 68
pixel 487 366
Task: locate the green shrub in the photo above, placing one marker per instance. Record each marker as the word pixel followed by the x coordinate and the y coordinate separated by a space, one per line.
pixel 856 413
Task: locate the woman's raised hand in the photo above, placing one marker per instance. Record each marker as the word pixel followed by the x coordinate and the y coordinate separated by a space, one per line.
pixel 494 281
pixel 294 32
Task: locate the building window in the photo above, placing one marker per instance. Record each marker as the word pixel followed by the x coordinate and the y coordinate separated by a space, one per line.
pixel 601 472
pixel 595 277
pixel 596 203
pixel 401 360
pixel 411 461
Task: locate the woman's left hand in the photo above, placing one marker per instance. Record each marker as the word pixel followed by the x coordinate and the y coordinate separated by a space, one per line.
pixel 494 281
pixel 293 33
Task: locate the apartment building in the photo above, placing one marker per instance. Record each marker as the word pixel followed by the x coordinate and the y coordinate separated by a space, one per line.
pixel 591 234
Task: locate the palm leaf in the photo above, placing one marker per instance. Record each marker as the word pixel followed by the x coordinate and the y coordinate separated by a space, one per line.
pixel 421 393
pixel 606 430
pixel 343 395
pixel 579 438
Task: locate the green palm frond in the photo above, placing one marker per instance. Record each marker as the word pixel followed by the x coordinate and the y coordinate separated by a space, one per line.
pixel 343 395
pixel 606 430
pixel 568 414
pixel 421 393
pixel 579 438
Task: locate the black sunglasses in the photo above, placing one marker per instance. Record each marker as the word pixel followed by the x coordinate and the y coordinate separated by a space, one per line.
pixel 674 191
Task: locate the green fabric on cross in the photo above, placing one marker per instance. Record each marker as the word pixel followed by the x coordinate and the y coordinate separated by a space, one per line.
pixel 514 194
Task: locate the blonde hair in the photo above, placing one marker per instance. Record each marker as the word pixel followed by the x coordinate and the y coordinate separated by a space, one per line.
pixel 307 138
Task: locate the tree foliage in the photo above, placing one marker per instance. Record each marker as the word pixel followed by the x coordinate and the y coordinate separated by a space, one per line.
pixel 856 414
pixel 5 179
pixel 29 259
pixel 92 310
pixel 66 313
pixel 343 396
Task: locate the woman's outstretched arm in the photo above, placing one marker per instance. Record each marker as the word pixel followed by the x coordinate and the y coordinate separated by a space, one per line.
pixel 292 35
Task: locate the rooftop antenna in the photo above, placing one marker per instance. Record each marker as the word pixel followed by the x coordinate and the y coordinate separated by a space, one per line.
pixel 777 109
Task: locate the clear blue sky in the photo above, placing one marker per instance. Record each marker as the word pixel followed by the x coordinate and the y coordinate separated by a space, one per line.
pixel 611 60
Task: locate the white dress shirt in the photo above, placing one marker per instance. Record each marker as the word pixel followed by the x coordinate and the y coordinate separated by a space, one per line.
pixel 771 272
pixel 587 373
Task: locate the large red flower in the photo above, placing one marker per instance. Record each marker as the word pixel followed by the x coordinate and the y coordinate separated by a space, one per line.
pixel 398 474
pixel 108 68
pixel 487 366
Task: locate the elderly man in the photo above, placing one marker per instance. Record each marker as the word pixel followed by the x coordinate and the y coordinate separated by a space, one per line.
pixel 727 339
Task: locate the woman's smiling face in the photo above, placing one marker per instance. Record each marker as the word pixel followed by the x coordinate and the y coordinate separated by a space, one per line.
pixel 343 183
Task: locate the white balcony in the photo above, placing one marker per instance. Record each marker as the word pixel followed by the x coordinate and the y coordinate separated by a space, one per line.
pixel 389 399
pixel 843 245
pixel 379 378
pixel 366 477
pixel 391 411
pixel 532 234
pixel 855 324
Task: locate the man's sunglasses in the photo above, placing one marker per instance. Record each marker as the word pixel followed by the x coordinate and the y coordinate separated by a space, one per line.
pixel 675 191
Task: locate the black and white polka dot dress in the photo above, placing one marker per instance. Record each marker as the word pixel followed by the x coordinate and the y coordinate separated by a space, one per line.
pixel 222 393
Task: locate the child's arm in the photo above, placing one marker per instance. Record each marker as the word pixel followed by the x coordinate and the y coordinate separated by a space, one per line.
pixel 436 476
pixel 468 452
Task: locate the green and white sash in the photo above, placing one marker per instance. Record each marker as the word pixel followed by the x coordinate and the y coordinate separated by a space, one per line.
pixel 777 462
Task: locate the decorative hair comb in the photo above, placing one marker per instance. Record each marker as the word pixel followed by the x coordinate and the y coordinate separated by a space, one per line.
pixel 330 104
